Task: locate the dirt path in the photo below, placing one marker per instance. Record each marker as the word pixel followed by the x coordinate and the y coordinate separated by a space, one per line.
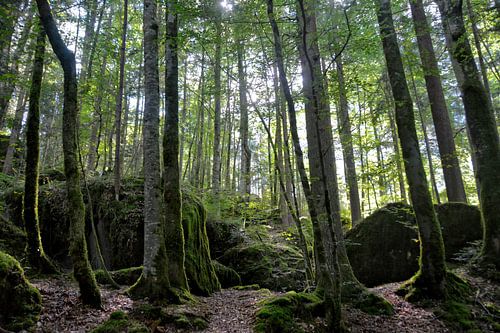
pixel 228 311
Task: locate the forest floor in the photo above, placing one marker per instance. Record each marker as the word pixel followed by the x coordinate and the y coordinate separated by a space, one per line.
pixel 233 310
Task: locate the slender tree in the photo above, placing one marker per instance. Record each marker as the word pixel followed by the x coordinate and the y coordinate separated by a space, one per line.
pixel 119 105
pixel 444 133
pixel 36 255
pixel 78 247
pixel 432 270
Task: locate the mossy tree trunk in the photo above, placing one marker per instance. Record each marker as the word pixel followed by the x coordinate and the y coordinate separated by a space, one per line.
pixel 78 247
pixel 154 282
pixel 174 238
pixel 481 123
pixel 321 157
pixel 432 270
pixel 36 254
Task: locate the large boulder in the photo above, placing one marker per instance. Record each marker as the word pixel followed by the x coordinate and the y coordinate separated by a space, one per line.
pixel 223 235
pixel 273 266
pixel 20 302
pixel 460 224
pixel 384 246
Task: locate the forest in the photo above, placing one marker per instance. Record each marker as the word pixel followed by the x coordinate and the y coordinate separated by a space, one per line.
pixel 249 166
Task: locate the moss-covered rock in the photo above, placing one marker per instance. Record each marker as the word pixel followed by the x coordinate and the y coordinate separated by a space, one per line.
pixel 281 314
pixel 384 246
pixel 119 322
pixel 12 239
pixel 227 276
pixel 222 236
pixel 126 276
pixel 20 302
pixel 460 224
pixel 272 266
pixel 199 268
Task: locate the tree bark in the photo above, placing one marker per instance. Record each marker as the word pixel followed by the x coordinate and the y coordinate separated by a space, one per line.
pixel 246 154
pixel 119 102
pixel 483 131
pixel 36 255
pixel 444 133
pixel 174 239
pixel 78 246
pixel 432 270
pixel 216 160
pixel 154 282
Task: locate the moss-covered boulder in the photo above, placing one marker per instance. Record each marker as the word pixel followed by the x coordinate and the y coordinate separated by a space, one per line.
pixel 282 314
pixel 273 266
pixel 223 235
pixel 199 268
pixel 460 225
pixel 12 239
pixel 124 277
pixel 20 302
pixel 227 276
pixel 384 246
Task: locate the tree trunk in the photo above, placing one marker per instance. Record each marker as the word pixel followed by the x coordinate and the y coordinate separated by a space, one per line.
pixel 432 270
pixel 444 133
pixel 78 246
pixel 216 160
pixel 483 130
pixel 119 101
pixel 174 239
pixel 14 133
pixel 36 254
pixel 246 153
pixel 344 124
pixel 321 160
pixel 154 282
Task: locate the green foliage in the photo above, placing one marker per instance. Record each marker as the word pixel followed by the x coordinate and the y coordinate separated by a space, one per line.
pixel 20 302
pixel 12 239
pixel 282 313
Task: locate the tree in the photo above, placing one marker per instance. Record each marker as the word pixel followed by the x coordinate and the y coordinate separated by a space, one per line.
pixel 119 102
pixel 481 123
pixel 78 246
pixel 154 282
pixel 36 255
pixel 432 268
pixel 174 239
pixel 449 160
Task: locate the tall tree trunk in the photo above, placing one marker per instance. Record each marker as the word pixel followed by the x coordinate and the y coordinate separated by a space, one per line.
pixel 154 282
pixel 119 101
pixel 246 154
pixel 432 270
pixel 78 246
pixel 36 254
pixel 172 194
pixel 216 160
pixel 344 124
pixel 321 159
pixel 482 126
pixel 200 132
pixel 182 120
pixel 444 133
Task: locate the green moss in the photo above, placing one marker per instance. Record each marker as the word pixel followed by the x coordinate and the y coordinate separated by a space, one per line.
pixel 200 271
pixel 12 239
pixel 126 276
pixel 20 302
pixel 373 304
pixel 456 315
pixel 120 322
pixel 282 313
pixel 247 287
pixel 227 276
